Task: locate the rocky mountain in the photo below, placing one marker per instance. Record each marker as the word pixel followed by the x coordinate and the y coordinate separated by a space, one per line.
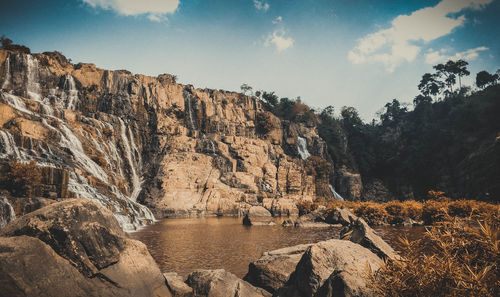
pixel 147 147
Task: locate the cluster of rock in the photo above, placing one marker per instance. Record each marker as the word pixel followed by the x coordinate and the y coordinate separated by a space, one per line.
pixel 77 248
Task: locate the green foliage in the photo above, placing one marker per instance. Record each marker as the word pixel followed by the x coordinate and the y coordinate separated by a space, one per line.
pixel 484 79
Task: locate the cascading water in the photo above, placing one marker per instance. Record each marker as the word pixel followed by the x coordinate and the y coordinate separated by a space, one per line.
pixel 71 141
pixel 33 86
pixel 8 147
pixel 335 194
pixel 15 102
pixel 136 181
pixel 189 98
pixel 130 219
pixel 6 82
pixel 7 213
pixel 302 148
pixel 71 93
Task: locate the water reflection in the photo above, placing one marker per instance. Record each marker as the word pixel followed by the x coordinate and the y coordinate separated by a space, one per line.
pixel 183 245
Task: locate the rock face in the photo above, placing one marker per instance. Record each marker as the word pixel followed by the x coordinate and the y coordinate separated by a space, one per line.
pixel 214 283
pixel 75 248
pixel 332 268
pixel 127 140
pixel 349 184
pixel 272 271
pixel 6 212
pixel 316 218
pixel 257 215
pixel 359 232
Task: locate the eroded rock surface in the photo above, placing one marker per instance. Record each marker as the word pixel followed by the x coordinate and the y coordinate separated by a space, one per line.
pixel 272 271
pixel 215 283
pixel 257 215
pixel 75 248
pixel 332 266
pixel 359 232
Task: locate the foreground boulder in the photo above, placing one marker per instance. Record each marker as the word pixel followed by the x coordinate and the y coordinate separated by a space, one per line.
pixel 359 232
pixel 273 269
pixel 332 268
pixel 215 283
pixel 80 246
pixel 257 215
pixel 177 286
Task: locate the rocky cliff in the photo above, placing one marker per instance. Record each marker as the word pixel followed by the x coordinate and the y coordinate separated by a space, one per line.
pixel 148 146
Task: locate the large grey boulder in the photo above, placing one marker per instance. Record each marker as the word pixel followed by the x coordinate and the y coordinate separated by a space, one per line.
pixel 257 215
pixel 332 266
pixel 359 232
pixel 272 271
pixel 215 283
pixel 89 243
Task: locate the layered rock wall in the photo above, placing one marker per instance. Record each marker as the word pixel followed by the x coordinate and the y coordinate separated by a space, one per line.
pixel 127 140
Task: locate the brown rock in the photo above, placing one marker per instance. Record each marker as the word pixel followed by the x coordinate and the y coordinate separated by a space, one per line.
pixel 346 263
pixel 257 215
pixel 359 232
pixel 341 216
pixel 177 286
pixel 274 268
pixel 215 283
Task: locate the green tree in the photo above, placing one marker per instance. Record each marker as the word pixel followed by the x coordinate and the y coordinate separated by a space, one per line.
pixel 430 85
pixel 484 79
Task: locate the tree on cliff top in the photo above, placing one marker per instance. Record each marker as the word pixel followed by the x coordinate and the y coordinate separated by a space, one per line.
pixel 8 45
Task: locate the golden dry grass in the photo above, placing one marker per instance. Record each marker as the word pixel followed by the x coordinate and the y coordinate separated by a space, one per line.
pixel 454 258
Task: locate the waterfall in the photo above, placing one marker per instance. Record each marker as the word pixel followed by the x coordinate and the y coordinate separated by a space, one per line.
pixel 188 97
pixel 33 87
pixel 7 213
pixel 8 146
pixel 130 219
pixel 136 181
pixel 15 102
pixel 71 141
pixel 302 148
pixel 335 194
pixel 7 73
pixel 71 93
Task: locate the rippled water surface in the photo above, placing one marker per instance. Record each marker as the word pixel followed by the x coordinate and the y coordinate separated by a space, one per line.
pixel 183 245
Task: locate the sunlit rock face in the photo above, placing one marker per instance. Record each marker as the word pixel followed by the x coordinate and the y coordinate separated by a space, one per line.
pixel 141 145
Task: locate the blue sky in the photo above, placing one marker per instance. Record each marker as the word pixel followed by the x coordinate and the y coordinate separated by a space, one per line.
pixel 360 53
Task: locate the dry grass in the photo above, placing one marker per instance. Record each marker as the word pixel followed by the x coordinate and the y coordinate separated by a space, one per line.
pixel 438 209
pixel 454 258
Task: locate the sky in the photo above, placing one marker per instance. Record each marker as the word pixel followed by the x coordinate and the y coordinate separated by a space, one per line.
pixel 360 53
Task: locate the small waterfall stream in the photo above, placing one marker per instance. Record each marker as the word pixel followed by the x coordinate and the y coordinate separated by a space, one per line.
pixel 6 81
pixel 7 213
pixel 136 181
pixel 302 148
pixel 335 194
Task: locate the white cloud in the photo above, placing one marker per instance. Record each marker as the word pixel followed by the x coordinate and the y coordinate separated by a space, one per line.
pixel 278 20
pixel 439 56
pixel 155 10
pixel 396 44
pixel 279 40
pixel 261 5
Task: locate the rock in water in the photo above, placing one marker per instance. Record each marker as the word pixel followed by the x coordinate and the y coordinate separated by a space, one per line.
pixel 274 268
pixel 341 216
pixel 257 215
pixel 75 246
pixel 359 232
pixel 332 268
pixel 6 212
pixel 215 283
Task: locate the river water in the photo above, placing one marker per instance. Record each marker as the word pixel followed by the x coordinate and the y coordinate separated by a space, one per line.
pixel 183 245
